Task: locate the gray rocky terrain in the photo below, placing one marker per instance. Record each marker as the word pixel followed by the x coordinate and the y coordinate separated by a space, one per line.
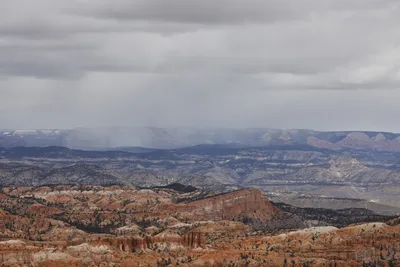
pixel 373 176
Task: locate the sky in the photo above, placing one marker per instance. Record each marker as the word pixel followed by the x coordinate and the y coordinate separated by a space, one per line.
pixel 315 64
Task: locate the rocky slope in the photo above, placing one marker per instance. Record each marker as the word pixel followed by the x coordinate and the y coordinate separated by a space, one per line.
pixel 80 206
pixel 121 226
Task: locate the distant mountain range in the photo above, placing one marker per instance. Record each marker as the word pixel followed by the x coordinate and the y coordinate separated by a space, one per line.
pixel 134 139
pixel 356 165
pixel 298 169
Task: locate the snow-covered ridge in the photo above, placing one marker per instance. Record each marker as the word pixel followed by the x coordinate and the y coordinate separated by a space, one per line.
pixel 28 132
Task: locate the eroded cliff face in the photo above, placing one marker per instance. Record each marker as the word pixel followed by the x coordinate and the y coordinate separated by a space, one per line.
pixel 133 244
pixel 241 204
pixel 27 253
pixel 115 226
pixel 374 244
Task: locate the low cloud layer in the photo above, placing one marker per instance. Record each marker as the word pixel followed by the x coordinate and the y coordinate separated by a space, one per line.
pixel 321 64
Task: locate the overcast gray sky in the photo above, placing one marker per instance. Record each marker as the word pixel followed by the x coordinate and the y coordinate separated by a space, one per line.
pixel 319 64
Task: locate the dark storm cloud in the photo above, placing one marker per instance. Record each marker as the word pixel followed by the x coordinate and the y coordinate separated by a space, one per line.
pixel 275 63
pixel 203 12
pixel 313 36
pixel 219 12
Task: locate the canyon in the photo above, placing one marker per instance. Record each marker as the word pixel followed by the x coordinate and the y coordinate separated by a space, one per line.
pixel 281 198
pixel 65 225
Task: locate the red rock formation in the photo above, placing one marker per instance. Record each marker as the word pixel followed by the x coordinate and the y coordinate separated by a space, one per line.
pixel 190 240
pixel 193 234
pixel 42 210
pixel 250 203
pixel 194 240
